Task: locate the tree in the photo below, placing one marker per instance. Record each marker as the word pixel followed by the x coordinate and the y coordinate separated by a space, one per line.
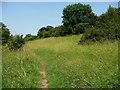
pixel 40 32
pixel 29 37
pixel 4 33
pixel 44 32
pixel 58 31
pixel 107 27
pixel 77 13
pixel 49 28
pixel 80 28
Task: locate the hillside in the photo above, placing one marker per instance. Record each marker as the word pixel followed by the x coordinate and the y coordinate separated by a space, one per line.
pixel 64 62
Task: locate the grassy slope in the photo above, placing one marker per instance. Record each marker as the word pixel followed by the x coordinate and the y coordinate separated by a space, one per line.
pixel 67 64
pixel 20 68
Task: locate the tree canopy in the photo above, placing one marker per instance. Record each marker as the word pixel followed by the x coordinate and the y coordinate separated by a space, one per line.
pixel 77 13
pixel 44 32
pixel 107 27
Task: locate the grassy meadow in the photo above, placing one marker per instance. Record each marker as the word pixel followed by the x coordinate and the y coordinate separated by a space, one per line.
pixel 67 64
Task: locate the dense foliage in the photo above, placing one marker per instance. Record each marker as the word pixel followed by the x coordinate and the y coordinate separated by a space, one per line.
pixel 13 42
pixel 4 34
pixel 76 16
pixel 30 37
pixel 16 42
pixel 50 31
pixel 107 27
pixel 79 19
pixel 44 32
pixel 58 31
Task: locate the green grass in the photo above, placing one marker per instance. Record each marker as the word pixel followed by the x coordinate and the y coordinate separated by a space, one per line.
pixel 67 64
pixel 20 69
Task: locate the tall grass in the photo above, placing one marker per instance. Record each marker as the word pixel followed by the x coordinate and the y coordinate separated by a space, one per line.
pixel 79 66
pixel 20 69
pixel 66 63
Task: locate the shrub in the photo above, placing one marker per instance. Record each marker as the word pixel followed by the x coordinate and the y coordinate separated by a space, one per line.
pixel 58 31
pixel 80 28
pixel 4 34
pixel 16 42
pixel 107 28
pixel 44 32
pixel 30 37
pixel 92 35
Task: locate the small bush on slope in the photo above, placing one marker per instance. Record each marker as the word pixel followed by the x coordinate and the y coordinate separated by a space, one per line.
pixel 4 34
pixel 16 42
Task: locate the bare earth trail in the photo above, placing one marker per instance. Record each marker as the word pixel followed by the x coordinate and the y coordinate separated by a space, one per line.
pixel 43 80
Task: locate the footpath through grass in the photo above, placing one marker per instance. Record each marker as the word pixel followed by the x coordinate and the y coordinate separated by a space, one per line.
pixel 66 63
pixel 79 66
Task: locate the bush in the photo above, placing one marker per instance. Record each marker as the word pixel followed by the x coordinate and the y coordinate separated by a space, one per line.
pixel 92 35
pixel 107 28
pixel 4 34
pixel 80 28
pixel 16 42
pixel 58 31
pixel 30 37
pixel 95 34
pixel 49 31
pixel 44 32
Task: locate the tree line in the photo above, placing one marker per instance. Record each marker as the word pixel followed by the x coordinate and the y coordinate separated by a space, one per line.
pixel 77 19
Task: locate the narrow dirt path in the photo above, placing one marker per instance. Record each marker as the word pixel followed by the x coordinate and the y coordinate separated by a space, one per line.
pixel 43 82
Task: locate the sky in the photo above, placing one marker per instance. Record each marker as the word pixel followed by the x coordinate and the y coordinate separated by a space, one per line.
pixel 29 17
pixel 0 11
